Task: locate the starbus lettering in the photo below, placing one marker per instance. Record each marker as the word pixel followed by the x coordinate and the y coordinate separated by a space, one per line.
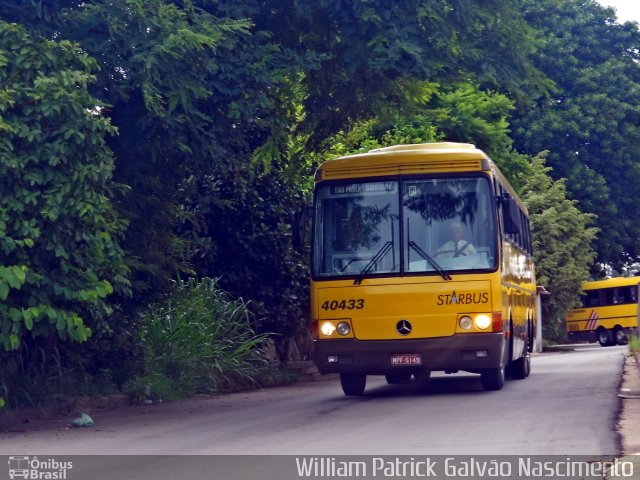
pixel 463 299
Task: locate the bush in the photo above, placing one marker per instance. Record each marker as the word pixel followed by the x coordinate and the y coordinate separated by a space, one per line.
pixel 634 344
pixel 199 341
pixel 245 237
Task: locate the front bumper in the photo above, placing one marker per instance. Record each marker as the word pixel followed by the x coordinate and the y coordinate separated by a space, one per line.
pixel 373 357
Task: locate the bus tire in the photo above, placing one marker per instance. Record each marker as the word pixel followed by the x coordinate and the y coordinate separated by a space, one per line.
pixel 353 383
pixel 397 378
pixel 604 339
pixel 531 336
pixel 492 378
pixel 619 337
pixel 521 367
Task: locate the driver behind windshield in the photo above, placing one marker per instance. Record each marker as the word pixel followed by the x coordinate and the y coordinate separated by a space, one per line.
pixel 457 246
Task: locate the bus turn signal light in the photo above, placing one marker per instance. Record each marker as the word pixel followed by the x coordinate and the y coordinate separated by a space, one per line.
pixel 496 322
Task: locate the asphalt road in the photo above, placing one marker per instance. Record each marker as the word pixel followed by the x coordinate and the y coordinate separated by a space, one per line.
pixel 568 406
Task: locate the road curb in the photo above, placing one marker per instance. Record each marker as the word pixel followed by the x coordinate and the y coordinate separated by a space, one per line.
pixel 16 419
pixel 629 422
pixel 308 372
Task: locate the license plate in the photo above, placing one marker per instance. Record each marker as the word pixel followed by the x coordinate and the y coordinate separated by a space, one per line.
pixel 403 359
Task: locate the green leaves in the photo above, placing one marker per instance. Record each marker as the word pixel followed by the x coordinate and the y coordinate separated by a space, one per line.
pixel 562 241
pixel 11 277
pixel 589 123
pixel 55 181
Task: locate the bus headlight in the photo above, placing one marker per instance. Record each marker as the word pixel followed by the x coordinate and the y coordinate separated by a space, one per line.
pixel 465 323
pixel 343 328
pixel 483 321
pixel 327 329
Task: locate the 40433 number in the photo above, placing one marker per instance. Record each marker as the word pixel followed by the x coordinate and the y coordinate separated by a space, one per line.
pixel 357 303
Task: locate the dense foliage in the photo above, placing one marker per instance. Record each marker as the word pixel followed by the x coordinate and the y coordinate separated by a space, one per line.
pixel 589 123
pixel 58 230
pixel 211 117
pixel 562 239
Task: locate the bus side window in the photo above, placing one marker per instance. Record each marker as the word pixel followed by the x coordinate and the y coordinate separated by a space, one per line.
pixel 628 294
pixel 523 229
pixel 592 298
pixel 611 296
pixel 503 210
pixel 527 232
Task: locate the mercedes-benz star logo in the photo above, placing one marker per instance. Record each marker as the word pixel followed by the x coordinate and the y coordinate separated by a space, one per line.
pixel 403 327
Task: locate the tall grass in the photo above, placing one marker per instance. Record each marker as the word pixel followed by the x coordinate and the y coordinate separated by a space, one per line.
pixel 634 344
pixel 199 341
pixel 37 375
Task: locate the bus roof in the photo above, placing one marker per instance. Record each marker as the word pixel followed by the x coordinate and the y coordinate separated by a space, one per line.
pixel 442 157
pixel 611 283
pixel 398 159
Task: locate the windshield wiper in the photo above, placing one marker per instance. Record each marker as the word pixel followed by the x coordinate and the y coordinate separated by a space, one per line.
pixel 376 258
pixel 430 259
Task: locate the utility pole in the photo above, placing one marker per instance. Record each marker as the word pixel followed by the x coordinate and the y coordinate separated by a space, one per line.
pixel 540 291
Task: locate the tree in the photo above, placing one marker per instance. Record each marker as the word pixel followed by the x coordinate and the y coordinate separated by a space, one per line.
pixel 459 112
pixel 216 100
pixel 562 241
pixel 366 51
pixel 191 95
pixel 246 236
pixel 60 256
pixel 589 123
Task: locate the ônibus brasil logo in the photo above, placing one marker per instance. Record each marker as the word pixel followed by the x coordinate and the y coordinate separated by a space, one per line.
pixel 35 469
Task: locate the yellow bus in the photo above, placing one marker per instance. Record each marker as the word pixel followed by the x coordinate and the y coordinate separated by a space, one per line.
pixel 608 312
pixel 421 261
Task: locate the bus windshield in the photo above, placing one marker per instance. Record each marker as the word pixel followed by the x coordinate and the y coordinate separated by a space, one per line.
pixel 354 222
pixel 446 222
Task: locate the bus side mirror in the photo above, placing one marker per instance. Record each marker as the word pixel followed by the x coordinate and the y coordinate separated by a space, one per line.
pixel 512 217
pixel 299 227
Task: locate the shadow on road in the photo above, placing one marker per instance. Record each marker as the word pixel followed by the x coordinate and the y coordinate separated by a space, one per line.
pixel 440 385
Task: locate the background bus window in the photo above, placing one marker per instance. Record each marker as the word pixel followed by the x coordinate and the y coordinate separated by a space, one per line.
pixel 628 295
pixel 592 298
pixel 611 296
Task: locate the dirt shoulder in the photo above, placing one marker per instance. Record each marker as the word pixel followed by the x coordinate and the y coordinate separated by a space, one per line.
pixel 629 423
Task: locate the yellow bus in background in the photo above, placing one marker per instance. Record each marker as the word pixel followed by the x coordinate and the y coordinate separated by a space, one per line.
pixel 608 312
pixel 421 261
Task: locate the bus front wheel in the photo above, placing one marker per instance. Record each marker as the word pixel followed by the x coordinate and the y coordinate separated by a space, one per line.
pixel 353 383
pixel 492 378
